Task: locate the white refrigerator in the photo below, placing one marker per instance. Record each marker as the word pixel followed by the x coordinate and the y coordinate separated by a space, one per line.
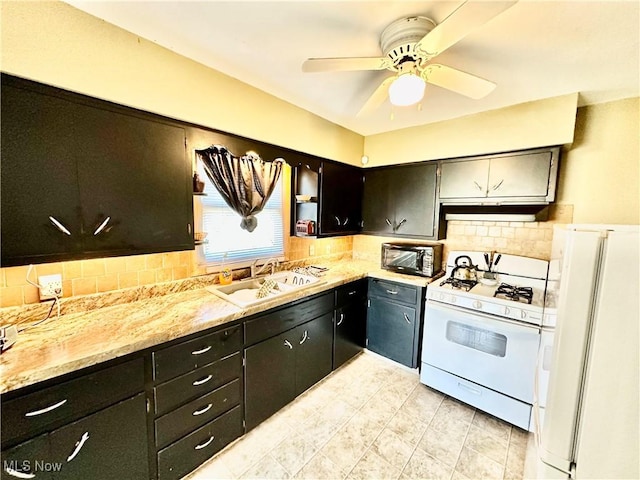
pixel 588 413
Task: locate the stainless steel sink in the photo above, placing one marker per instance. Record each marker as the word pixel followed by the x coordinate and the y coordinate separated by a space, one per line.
pixel 244 293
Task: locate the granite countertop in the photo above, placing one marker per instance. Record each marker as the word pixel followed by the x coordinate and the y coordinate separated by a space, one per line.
pixel 77 340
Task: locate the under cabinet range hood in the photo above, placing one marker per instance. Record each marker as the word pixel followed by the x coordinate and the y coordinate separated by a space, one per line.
pixel 496 213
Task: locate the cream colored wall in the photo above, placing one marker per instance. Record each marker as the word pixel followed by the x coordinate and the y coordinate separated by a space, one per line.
pixel 600 173
pixel 54 43
pixel 528 125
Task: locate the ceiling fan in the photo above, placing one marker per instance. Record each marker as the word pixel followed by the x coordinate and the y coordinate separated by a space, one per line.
pixel 408 45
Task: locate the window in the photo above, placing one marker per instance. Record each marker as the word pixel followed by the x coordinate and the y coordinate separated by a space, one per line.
pixel 224 234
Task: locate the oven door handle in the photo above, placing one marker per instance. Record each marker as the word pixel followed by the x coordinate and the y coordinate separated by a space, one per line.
pixel 478 318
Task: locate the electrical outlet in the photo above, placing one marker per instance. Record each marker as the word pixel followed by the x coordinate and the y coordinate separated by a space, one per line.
pixel 50 286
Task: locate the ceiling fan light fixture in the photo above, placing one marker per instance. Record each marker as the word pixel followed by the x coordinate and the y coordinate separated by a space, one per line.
pixel 406 90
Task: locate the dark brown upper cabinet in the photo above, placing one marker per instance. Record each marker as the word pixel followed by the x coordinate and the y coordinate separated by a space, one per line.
pixel 326 193
pixel 517 178
pixel 401 201
pixel 84 178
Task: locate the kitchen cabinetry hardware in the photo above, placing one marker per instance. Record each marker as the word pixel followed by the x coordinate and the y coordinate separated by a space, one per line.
pixel 205 444
pixel 288 344
pixel 101 226
pixel 201 351
pixel 478 186
pixel 79 444
pixel 305 337
pixel 341 319
pixel 402 222
pixel 60 226
pixel 406 317
pixel 392 292
pixel 388 221
pixel 197 383
pixel 352 292
pixel 497 185
pixel 46 409
pixel 202 410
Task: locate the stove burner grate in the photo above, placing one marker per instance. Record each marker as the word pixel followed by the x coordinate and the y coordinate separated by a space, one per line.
pixel 465 285
pixel 516 294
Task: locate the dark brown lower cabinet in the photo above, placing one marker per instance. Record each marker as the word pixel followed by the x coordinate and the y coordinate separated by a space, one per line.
pixel 110 444
pixel 282 367
pixel 350 321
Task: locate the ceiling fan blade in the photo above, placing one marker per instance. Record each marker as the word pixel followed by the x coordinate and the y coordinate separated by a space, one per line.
pixel 460 23
pixel 377 98
pixel 345 64
pixel 457 81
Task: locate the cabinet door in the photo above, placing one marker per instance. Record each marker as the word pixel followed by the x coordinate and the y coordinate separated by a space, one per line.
pixel 340 198
pixel 132 171
pixel 269 377
pixel 314 347
pixel 524 175
pixel 39 178
pixel 110 444
pixel 377 209
pixel 391 330
pixel 31 459
pixel 414 195
pixel 465 179
pixel 350 331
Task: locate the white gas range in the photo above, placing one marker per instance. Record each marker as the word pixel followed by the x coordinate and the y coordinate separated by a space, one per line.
pixel 481 336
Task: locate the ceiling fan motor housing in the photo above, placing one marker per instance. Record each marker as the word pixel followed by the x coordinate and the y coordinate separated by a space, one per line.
pixel 399 39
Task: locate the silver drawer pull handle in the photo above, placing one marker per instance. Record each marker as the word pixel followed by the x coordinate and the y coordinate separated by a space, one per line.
pixel 401 223
pixel 79 445
pixel 202 381
pixel 392 292
pixel 477 185
pixel 352 292
pixel 60 226
pixel 305 337
pixel 45 410
pixel 17 474
pixel 200 352
pixel 497 185
pixel 475 391
pixel 406 317
pixel 205 444
pixel 388 221
pixel 341 319
pixel 337 220
pixel 203 410
pixel 288 344
pixel 101 226
pixel 346 220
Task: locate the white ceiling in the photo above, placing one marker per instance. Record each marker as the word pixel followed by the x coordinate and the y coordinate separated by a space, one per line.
pixel 532 51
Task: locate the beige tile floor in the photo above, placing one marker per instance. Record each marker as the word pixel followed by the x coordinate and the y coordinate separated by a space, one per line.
pixel 373 419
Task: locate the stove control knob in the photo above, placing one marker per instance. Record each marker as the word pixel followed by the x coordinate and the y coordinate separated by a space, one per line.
pixel 477 304
pixel 523 314
pixel 442 296
pixel 454 299
pixel 507 310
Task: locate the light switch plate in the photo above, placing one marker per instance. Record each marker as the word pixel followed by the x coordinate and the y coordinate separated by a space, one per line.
pixel 50 286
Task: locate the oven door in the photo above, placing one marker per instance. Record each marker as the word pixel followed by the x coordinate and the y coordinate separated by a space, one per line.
pixel 497 353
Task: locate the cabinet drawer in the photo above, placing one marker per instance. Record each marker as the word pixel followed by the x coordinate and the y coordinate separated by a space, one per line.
pixel 188 453
pixel 396 292
pixel 351 291
pixel 272 324
pixel 196 383
pixel 184 357
pixel 190 416
pixel 45 409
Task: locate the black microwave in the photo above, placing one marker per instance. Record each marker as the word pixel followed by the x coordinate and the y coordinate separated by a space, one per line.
pixel 424 259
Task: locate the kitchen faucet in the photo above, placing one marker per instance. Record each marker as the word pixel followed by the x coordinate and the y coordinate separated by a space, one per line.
pixel 272 261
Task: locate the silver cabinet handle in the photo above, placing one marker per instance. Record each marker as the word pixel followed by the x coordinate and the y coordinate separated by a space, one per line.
pixel 341 319
pixel 497 185
pixel 202 410
pixel 392 292
pixel 401 223
pixel 189 228
pixel 337 220
pixel 205 444
pixel 17 474
pixel 406 317
pixel 477 185
pixel 79 445
pixel 288 344
pixel 45 410
pixel 202 381
pixel 388 221
pixel 352 292
pixel 346 220
pixel 200 352
pixel 101 226
pixel 305 337
pixel 60 226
